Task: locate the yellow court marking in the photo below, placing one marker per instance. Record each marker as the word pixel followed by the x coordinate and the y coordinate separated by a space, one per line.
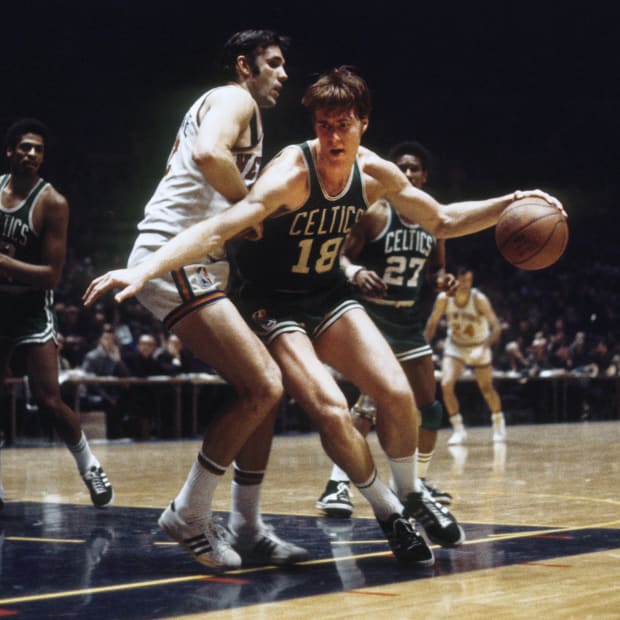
pixel 72 541
pixel 101 590
pixel 242 571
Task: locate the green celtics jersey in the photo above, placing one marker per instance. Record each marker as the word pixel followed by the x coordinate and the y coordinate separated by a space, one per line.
pixel 18 238
pixel 398 255
pixel 299 251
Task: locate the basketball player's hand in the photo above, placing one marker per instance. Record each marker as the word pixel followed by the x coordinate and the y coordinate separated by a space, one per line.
pixel 126 279
pixel 552 200
pixel 446 283
pixel 370 283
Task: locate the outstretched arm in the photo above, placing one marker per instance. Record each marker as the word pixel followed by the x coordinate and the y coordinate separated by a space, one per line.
pixel 444 221
pixel 283 185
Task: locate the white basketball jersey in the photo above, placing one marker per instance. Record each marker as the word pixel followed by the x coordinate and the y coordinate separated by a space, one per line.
pixel 466 326
pixel 183 196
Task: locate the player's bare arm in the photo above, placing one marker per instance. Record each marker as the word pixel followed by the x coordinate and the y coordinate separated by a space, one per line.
pixel 224 123
pixel 485 308
pixel 51 219
pixel 283 186
pixel 439 278
pixel 365 229
pixel 433 320
pixel 383 178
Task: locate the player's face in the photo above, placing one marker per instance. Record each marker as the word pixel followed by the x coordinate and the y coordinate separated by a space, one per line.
pixel 412 167
pixel 27 156
pixel 266 84
pixel 339 132
pixel 465 282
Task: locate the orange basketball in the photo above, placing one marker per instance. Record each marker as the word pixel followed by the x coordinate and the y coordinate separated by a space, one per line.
pixel 531 233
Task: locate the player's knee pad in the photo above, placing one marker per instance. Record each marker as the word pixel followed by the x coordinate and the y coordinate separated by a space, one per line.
pixel 365 408
pixel 432 416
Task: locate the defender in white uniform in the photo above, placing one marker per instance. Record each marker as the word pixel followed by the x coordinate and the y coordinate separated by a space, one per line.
pixel 213 162
pixel 184 197
pixel 473 327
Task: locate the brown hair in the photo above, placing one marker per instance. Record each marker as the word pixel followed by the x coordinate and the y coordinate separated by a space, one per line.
pixel 340 88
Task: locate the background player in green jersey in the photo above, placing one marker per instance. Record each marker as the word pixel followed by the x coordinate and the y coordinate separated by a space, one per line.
pixel 389 259
pixel 33 242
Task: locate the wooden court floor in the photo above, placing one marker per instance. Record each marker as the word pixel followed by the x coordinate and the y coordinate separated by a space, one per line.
pixel 541 514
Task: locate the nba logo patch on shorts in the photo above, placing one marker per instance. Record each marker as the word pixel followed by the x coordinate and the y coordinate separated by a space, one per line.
pixel 263 321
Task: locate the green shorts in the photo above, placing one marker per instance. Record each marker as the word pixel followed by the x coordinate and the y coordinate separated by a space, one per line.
pixel 28 318
pixel 402 328
pixel 271 313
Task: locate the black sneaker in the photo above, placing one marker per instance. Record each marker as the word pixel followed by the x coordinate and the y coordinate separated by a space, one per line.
pixel 407 544
pixel 437 494
pixel 336 500
pixel 438 523
pixel 99 486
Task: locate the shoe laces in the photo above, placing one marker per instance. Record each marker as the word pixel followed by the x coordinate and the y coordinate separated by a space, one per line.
pixel 439 512
pixel 97 479
pixel 343 491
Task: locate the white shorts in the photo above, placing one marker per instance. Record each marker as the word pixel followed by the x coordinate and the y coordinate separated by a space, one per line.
pixel 475 355
pixel 175 295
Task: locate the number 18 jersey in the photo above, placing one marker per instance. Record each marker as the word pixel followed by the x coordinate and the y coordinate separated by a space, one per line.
pixel 299 250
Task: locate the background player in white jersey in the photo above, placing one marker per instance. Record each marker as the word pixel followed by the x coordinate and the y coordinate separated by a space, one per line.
pixel 473 328
pixel 214 160
pixel 34 218
pixel 308 186
pixel 390 260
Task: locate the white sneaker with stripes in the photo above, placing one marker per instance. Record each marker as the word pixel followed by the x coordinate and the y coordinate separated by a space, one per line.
pixel 205 539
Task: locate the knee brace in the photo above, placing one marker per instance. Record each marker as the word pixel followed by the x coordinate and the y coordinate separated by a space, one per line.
pixel 432 416
pixel 365 408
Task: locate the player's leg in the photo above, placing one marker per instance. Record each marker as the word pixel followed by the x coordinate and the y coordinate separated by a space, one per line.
pixel 314 388
pixel 451 369
pixel 354 346
pixel 335 500
pixel 251 537
pixel 42 370
pixel 420 373
pixel 484 378
pixel 218 335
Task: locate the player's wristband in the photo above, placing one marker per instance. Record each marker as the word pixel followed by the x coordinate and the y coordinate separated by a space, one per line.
pixel 350 271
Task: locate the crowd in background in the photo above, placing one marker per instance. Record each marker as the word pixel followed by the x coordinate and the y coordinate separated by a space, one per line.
pixel 562 318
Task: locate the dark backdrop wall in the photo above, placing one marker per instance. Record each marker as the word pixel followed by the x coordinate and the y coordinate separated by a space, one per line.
pixel 506 95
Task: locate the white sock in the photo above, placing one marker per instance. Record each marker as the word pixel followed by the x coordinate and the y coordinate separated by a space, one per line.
pixel 404 475
pixel 384 503
pixel 338 475
pixel 83 456
pixel 245 506
pixel 195 497
pixel 424 460
pixel 457 421
pixel 498 419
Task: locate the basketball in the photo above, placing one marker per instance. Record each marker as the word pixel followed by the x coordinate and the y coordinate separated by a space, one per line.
pixel 531 234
